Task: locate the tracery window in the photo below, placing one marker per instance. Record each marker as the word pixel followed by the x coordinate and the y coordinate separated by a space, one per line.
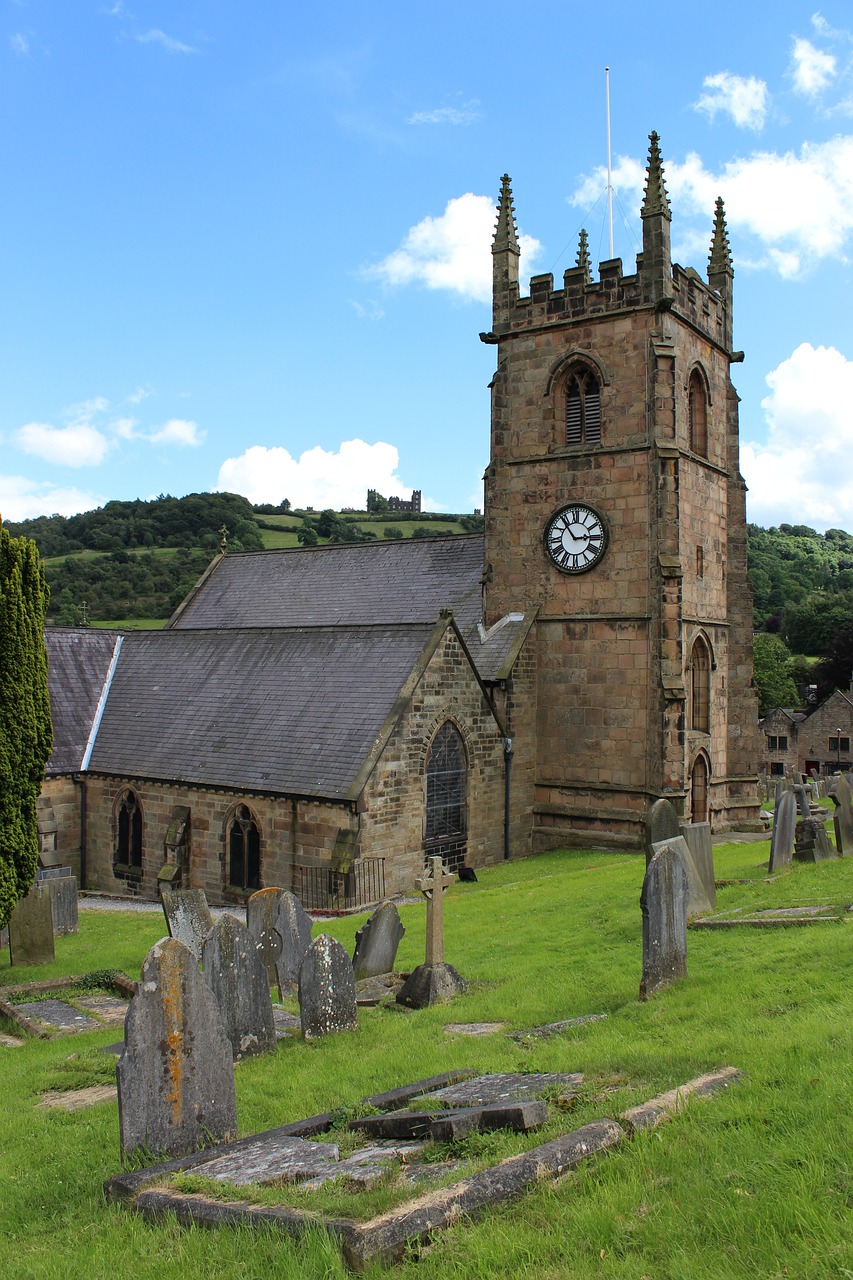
pixel 697 412
pixel 699 790
pixel 700 688
pixel 446 796
pixel 244 851
pixel 583 407
pixel 129 831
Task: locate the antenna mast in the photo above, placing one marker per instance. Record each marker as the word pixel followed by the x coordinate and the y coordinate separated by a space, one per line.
pixel 609 168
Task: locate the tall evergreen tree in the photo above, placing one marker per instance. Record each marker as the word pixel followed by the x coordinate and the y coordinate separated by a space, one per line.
pixel 26 733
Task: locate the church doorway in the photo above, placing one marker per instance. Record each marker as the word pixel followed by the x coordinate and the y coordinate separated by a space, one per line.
pixel 699 790
pixel 446 825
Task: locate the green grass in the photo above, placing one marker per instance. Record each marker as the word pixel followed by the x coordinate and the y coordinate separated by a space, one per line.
pixel 757 1182
pixel 131 624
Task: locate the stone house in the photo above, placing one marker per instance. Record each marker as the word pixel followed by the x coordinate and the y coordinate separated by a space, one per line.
pixel 819 740
pixel 781 726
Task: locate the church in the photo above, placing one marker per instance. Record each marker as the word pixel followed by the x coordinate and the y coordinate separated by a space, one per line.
pixel 325 719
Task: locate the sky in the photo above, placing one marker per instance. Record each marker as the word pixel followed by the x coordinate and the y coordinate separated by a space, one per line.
pixel 247 246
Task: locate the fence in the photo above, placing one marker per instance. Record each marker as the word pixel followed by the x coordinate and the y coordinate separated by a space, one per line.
pixel 321 889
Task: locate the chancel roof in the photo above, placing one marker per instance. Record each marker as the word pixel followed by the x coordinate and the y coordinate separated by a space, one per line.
pixel 281 710
pixel 78 662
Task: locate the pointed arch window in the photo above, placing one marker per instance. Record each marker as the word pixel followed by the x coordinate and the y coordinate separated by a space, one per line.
pixel 583 407
pixel 129 831
pixel 700 688
pixel 446 821
pixel 244 851
pixel 697 412
pixel 699 790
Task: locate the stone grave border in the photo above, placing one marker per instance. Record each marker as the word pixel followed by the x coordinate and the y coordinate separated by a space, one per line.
pixel 119 982
pixel 387 1237
pixel 758 917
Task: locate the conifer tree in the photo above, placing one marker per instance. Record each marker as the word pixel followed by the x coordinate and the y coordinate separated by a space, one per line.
pixel 26 734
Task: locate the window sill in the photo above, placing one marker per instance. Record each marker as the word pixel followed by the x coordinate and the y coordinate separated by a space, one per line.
pixel 124 872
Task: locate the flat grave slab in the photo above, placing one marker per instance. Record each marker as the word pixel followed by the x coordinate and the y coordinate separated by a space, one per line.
pixel 773 917
pixel 271 1159
pixel 556 1028
pixel 78 1099
pixel 61 1011
pixel 473 1028
pixel 506 1087
pixel 57 1015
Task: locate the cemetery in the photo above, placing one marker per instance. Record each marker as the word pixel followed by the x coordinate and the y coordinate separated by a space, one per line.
pixel 282 1110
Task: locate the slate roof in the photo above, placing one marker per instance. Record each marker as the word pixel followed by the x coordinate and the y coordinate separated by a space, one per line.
pixel 78 662
pixel 281 710
pixel 355 584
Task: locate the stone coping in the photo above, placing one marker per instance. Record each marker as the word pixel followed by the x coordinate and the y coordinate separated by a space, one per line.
pixel 119 982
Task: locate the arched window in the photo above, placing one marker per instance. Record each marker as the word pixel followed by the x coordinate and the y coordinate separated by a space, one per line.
pixel 697 412
pixel 700 688
pixel 446 796
pixel 699 790
pixel 244 851
pixel 583 407
pixel 128 831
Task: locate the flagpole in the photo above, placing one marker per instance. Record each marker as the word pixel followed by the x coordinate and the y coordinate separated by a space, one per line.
pixel 609 168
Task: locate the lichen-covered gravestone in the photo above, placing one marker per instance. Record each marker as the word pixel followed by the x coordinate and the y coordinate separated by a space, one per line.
pixel 31 928
pixel 293 925
pixel 662 823
pixel 236 975
pixel 664 906
pixel 188 917
pixel 377 941
pixel 176 1073
pixel 326 990
pixel 784 824
pixel 261 919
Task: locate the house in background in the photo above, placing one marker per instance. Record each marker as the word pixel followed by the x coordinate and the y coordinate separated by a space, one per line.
pixel 818 740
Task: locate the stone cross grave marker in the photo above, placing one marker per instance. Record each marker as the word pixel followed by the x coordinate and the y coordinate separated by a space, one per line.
pixel 662 823
pixel 188 916
pixel 697 898
pixel 237 977
pixel 31 928
pixel 664 906
pixel 802 800
pixel 261 917
pixel 293 925
pixel 784 824
pixel 326 990
pixel 377 941
pixel 843 817
pixel 432 982
pixel 433 886
pixel 176 1073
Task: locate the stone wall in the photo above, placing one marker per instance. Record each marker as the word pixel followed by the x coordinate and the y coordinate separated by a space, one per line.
pixel 59 823
pixel 821 726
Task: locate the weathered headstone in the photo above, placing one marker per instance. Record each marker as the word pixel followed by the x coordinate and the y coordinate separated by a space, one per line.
pixel 237 977
pixel 843 816
pixel 31 928
pixel 803 806
pixel 63 903
pixel 326 990
pixel 377 941
pixel 188 917
pixel 811 843
pixel 664 906
pixel 176 1072
pixel 662 823
pixel 697 899
pixel 293 925
pixel 261 917
pixel 698 837
pixel 782 839
pixel 434 981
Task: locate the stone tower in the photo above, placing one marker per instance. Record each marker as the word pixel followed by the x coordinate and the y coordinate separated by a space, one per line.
pixel 615 504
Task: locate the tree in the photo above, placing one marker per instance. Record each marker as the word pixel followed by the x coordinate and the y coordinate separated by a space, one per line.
pixel 26 734
pixel 771 666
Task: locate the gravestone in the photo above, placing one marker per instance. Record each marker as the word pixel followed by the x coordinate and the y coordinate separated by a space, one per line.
pixel 811 843
pixel 698 838
pixel 782 839
pixel 31 928
pixel 377 941
pixel 662 823
pixel 663 902
pixel 293 925
pixel 63 904
pixel 843 816
pixel 803 805
pixel 326 990
pixel 237 977
pixel 432 982
pixel 176 1072
pixel 261 919
pixel 188 917
pixel 781 788
pixel 697 899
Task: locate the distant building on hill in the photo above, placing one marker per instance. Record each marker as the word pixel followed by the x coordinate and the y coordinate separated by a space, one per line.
pixel 375 499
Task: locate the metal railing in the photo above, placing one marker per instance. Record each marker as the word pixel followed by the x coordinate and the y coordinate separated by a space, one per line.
pixel 321 889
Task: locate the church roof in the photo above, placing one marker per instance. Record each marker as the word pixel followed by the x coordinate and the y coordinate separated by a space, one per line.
pixel 78 663
pixel 281 710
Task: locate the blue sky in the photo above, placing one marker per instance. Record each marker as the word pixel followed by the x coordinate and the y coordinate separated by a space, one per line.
pixel 246 246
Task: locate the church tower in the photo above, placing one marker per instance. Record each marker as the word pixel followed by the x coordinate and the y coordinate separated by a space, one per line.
pixel 614 505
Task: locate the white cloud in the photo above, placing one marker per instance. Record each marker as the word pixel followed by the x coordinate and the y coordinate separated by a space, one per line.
pixel 140 394
pixel 802 474
pixel 744 98
pixel 177 431
pixel 19 44
pixel 24 499
pixel 169 43
pixel 319 478
pixel 125 428
pixel 452 251
pixel 467 113
pixel 812 70
pixel 77 445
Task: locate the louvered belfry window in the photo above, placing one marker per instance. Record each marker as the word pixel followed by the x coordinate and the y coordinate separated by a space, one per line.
pixel 244 851
pixel 447 789
pixel 583 408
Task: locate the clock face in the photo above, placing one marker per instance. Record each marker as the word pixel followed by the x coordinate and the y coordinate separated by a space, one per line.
pixel 575 538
